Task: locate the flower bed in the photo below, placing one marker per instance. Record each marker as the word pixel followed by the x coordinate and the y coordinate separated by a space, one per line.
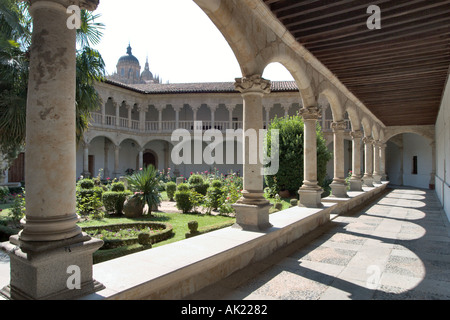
pixel 118 235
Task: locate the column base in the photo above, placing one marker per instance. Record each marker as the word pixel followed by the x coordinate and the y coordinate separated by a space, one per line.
pixel 51 270
pixel 252 217
pixel 339 189
pixel 377 178
pixel 310 197
pixel 368 181
pixel 355 184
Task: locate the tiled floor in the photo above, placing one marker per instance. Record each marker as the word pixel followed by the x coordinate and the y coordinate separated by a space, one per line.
pixel 396 248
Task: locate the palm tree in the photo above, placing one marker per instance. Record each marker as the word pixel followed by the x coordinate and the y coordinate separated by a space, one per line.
pixel 15 41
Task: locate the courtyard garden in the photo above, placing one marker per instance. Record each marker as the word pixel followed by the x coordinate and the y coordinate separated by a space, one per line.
pixel 166 212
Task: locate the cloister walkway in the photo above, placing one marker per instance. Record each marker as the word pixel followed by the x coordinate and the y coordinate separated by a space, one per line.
pixel 396 248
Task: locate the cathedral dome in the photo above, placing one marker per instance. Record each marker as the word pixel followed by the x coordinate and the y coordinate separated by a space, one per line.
pixel 147 75
pixel 128 58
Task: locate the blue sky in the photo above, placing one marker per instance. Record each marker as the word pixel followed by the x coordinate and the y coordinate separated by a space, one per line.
pixel 182 45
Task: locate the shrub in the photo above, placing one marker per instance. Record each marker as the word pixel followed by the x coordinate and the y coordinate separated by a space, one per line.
pixel 183 187
pixel 214 197
pixel 183 199
pixel 290 149
pixel 200 188
pixel 89 201
pixel 216 184
pixel 114 200
pixel 118 186
pixel 171 188
pixel 86 183
pixel 195 179
pixel 4 193
pixel 17 211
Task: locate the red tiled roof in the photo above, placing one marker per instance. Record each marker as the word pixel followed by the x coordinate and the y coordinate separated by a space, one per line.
pixel 207 87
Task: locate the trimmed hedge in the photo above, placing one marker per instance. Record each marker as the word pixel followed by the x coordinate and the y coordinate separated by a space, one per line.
pixel 165 233
pixel 114 200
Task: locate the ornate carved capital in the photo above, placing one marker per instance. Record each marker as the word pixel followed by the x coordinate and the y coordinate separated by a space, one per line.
pixel 368 140
pixel 251 84
pixel 142 108
pixel 339 126
pixel 357 134
pixel 310 113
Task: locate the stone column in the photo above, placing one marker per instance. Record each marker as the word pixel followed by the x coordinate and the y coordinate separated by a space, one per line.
pixel 103 111
pixel 106 159
pixel 116 160
pixel 86 172
pixel 213 116
pixel 160 110
pixel 177 115
pixel 355 180
pixel 376 162
pixel 51 241
pixel 117 106
pixel 310 192
pixel 383 161
pixel 230 109
pixel 141 158
pixel 252 210
pixel 339 186
pixel 368 151
pixel 267 109
pixel 142 111
pixel 130 109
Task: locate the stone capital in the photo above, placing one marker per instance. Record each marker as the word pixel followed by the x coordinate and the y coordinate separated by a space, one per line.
pixel 368 140
pixel 252 84
pixel 311 113
pixel 142 108
pixel 339 126
pixel 358 134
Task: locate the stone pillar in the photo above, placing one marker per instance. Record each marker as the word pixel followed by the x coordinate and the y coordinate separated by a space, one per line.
pixel 368 151
pixel 310 192
pixel 141 158
pixel 117 106
pixel 267 109
pixel 376 162
pixel 383 161
pixel 103 111
pixel 116 160
pixel 252 210
pixel 86 172
pixel 355 180
pixel 142 111
pixel 230 109
pixel 130 109
pixel 339 185
pixel 106 159
pixel 213 115
pixel 160 110
pixel 51 243
pixel 177 116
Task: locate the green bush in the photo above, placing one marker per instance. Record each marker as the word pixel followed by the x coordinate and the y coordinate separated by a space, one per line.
pixel 184 201
pixel 86 183
pixel 183 187
pixel 216 184
pixel 89 201
pixel 171 188
pixel 214 197
pixel 118 186
pixel 195 179
pixel 290 149
pixel 200 188
pixel 114 200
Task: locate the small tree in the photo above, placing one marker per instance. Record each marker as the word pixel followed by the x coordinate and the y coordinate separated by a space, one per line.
pixel 290 172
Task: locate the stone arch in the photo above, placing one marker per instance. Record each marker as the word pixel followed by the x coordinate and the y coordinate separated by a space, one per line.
pixel 367 126
pixel 353 115
pixel 425 131
pixel 330 93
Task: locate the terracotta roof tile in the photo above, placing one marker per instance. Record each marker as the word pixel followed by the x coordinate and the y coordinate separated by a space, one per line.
pixel 207 87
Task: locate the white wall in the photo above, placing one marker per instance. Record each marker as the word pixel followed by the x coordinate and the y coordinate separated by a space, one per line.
pixel 443 151
pixel 413 145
